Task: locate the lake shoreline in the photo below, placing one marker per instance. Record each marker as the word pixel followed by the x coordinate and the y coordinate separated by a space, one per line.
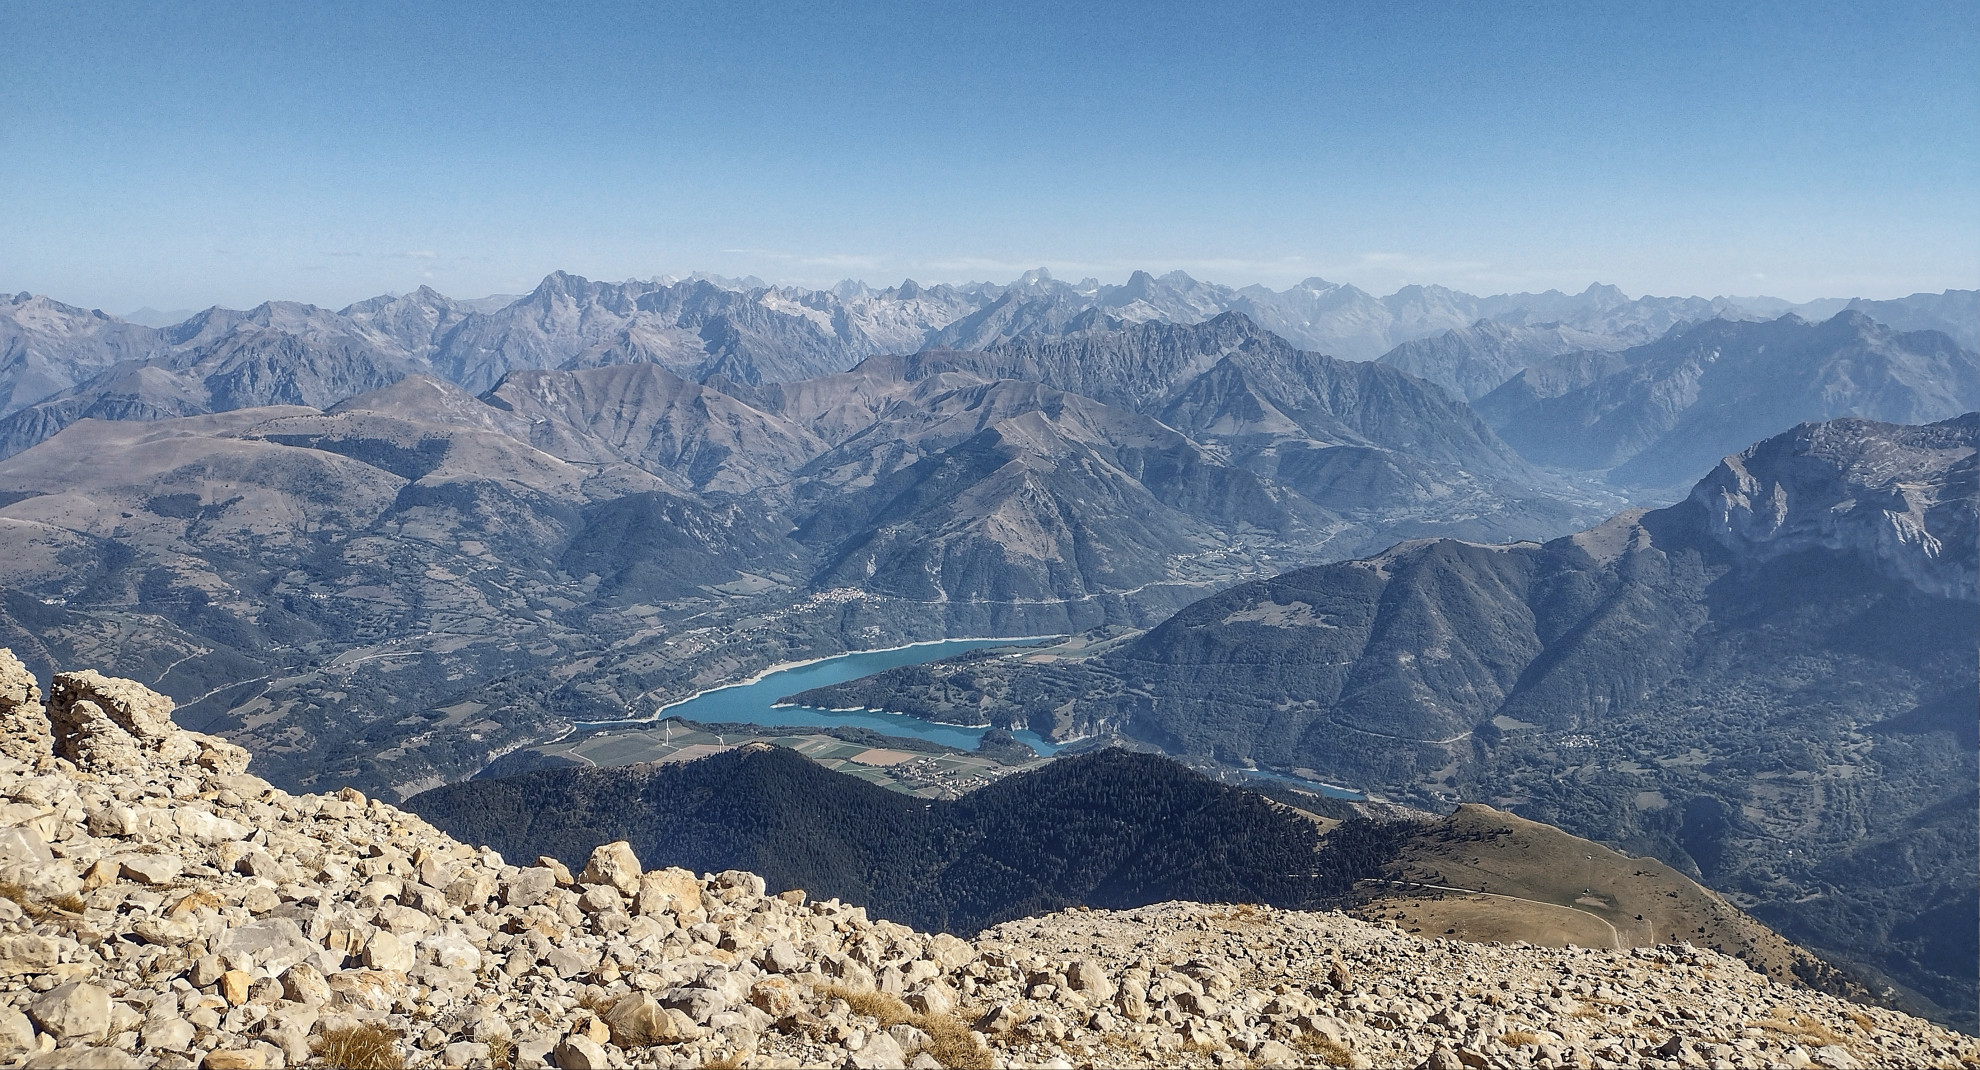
pixel 660 713
pixel 874 709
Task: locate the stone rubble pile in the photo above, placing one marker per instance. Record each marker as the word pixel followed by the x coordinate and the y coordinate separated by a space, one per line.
pixel 162 907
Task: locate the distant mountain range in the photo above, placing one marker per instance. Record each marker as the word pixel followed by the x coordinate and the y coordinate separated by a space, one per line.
pixel 572 543
pixel 1471 362
pixel 73 363
pixel 287 353
pixel 1664 412
pixel 1771 685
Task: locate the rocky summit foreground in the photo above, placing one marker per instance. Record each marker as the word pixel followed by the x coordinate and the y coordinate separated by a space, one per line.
pixel 160 906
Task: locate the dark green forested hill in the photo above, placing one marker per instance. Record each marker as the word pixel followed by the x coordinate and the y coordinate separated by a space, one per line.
pixel 1113 829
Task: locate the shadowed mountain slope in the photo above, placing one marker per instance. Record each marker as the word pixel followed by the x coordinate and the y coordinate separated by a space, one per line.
pixel 1107 829
pixel 1111 829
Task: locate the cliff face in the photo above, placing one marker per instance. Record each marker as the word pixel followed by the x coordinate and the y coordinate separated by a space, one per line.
pixel 160 906
pixel 1901 498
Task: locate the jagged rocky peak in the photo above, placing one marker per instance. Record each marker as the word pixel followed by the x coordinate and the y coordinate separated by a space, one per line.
pixel 161 907
pixel 1900 496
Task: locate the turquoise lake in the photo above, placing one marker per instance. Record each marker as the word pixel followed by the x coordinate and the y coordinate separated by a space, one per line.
pixel 755 703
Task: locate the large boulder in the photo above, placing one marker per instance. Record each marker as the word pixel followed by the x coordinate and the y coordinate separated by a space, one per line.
pixel 31 953
pixel 672 889
pixel 106 724
pixel 613 864
pixel 16 1032
pixel 528 887
pixel 640 1021
pixel 101 722
pixel 581 1053
pixel 387 951
pixel 73 1010
pixel 24 731
pixel 152 869
pixel 272 944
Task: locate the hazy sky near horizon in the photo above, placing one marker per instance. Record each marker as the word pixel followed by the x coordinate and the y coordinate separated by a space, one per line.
pixel 185 154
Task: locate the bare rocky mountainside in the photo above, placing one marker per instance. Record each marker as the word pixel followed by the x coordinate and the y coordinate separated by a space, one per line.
pixel 397 588
pixel 164 907
pixel 1770 685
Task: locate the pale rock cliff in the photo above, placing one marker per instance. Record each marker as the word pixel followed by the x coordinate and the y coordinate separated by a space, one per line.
pixel 1900 497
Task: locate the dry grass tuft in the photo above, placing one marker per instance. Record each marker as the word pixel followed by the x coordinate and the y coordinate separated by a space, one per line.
pixel 1862 1020
pixel 869 1002
pixel 1519 1038
pixel 950 1041
pixel 1332 1052
pixel 502 1052
pixel 1802 1026
pixel 32 907
pixel 361 1047
pixel 192 901
pixel 62 911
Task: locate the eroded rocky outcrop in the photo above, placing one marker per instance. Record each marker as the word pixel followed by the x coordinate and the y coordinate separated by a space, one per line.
pixel 160 906
pixel 1901 498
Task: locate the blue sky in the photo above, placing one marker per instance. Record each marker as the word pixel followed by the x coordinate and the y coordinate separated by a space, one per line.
pixel 185 154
